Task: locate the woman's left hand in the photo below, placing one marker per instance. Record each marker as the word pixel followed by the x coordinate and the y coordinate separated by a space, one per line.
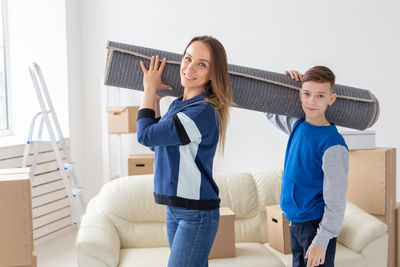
pixel 152 76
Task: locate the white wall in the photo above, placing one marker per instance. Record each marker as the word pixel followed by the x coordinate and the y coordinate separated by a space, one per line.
pixel 358 39
pixel 75 95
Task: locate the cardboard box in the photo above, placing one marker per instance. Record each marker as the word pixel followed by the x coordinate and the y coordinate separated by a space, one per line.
pixel 224 243
pixel 372 180
pixel 397 236
pixel 359 139
pixel 33 264
pixel 140 164
pixel 122 119
pixel 16 229
pixel 278 229
pixel 390 221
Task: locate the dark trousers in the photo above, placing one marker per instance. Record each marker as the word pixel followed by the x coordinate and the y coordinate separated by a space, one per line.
pixel 301 236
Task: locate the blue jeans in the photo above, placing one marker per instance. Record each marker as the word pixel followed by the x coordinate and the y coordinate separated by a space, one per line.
pixel 191 234
pixel 301 237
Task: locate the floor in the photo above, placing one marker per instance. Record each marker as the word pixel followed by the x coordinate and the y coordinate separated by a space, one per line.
pixel 58 251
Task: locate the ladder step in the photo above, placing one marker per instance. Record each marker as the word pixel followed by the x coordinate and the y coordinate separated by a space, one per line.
pixel 68 165
pixel 43 142
pixel 76 190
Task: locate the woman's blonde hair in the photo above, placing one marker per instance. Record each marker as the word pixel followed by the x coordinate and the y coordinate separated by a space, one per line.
pixel 218 90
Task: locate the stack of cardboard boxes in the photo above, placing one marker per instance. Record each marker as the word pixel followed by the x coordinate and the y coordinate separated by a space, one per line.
pixel 16 230
pixel 372 187
pixel 122 120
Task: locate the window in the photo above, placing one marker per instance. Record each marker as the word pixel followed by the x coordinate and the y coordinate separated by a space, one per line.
pixel 3 88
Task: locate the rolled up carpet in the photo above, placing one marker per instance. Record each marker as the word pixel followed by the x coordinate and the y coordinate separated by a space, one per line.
pixel 253 89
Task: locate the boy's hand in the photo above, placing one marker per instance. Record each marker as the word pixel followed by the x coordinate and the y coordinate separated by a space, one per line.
pixel 315 256
pixel 294 74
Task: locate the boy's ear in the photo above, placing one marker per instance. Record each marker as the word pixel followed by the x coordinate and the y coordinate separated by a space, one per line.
pixel 333 99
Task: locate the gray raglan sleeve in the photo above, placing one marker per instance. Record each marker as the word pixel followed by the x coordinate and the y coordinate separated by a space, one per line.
pixel 335 165
pixel 282 122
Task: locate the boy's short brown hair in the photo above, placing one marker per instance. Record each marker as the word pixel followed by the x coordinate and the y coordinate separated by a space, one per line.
pixel 320 74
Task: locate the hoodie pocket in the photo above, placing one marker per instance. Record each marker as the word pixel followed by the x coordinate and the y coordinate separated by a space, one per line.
pixel 288 196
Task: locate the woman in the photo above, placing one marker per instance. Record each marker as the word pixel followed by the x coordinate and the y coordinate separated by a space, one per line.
pixel 184 141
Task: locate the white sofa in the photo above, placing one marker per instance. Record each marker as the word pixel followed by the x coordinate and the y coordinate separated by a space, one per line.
pixel 123 227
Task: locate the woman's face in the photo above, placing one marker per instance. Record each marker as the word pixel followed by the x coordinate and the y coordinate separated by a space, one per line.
pixel 196 67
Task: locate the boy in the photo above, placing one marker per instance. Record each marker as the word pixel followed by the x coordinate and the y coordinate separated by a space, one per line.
pixel 314 182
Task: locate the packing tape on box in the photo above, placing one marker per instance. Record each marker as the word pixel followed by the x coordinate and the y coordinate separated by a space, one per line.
pixel 253 89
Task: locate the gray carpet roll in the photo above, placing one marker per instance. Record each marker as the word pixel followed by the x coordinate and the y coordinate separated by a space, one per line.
pixel 253 89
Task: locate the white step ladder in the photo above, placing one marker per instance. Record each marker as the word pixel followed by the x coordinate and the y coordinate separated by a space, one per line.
pixel 64 166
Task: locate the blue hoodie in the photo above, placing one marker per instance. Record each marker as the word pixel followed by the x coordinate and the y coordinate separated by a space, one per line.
pixel 302 196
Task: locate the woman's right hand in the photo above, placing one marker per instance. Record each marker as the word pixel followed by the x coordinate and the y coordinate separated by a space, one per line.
pixel 152 76
pixel 294 74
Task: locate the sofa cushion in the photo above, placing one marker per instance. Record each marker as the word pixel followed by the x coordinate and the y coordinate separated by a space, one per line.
pixel 269 190
pixel 238 191
pixel 247 254
pixel 248 195
pixel 144 257
pixel 268 184
pixel 131 198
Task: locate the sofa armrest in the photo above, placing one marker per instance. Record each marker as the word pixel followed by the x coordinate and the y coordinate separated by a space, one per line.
pixel 97 237
pixel 359 228
pixel 376 252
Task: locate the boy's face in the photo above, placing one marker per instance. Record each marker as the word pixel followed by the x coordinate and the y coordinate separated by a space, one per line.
pixel 315 98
